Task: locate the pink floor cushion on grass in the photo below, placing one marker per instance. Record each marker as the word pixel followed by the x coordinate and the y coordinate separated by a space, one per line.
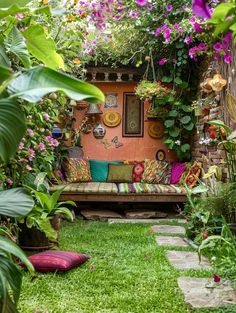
pixel 56 261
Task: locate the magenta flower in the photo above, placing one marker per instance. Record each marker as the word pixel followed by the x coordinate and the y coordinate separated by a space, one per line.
pixel 157 32
pixel 216 278
pixel 201 9
pixel 218 46
pixel 162 61
pixel 133 14
pixel 141 2
pixel 188 40
pixel 169 8
pixel 228 58
pixel 202 46
pixel 167 34
pixel 197 27
pixel 149 7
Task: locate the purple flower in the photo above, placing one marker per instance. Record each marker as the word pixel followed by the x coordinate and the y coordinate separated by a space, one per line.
pixel 201 9
pixel 169 8
pixel 141 2
pixel 197 27
pixel 202 46
pixel 21 146
pixel 133 14
pixel 19 16
pixel 149 7
pixel 31 153
pixel 41 146
pixel 46 117
pixel 176 26
pixel 157 32
pixel 167 34
pixel 188 40
pixel 228 58
pixel 218 46
pixel 162 61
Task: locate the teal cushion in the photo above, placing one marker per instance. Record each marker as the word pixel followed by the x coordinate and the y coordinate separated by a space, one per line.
pixel 99 169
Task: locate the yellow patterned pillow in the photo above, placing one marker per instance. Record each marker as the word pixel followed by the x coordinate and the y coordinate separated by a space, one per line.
pixel 156 172
pixel 77 170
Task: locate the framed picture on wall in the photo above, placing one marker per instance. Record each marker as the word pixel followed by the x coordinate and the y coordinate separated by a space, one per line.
pixel 111 100
pixel 132 116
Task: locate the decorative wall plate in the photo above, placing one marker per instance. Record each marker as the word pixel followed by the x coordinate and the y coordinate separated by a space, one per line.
pixel 111 119
pixel 160 155
pixel 156 129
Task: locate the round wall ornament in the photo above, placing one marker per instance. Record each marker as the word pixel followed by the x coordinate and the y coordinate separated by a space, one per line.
pixel 111 119
pixel 160 155
pixel 156 129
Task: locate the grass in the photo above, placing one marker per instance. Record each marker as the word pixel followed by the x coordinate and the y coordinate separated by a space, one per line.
pixel 127 273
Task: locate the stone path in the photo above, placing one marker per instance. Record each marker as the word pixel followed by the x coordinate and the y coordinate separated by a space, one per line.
pixel 184 260
pixel 171 241
pixel 167 229
pixel 198 292
pixel 202 293
pixel 145 221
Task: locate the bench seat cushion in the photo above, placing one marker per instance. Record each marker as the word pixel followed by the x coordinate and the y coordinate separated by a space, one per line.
pixel 91 187
pixel 149 188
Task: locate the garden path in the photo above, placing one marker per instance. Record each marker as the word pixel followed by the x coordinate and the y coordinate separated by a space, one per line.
pixel 198 292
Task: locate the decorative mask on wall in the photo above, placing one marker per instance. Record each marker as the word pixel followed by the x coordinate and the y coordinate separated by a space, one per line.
pixel 99 131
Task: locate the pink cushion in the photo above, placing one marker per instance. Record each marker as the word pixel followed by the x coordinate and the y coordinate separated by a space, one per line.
pixel 53 260
pixel 176 172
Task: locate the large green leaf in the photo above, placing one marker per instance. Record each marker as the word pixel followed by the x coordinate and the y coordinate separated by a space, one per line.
pixel 4 60
pixel 9 3
pixel 15 44
pixel 12 128
pixel 14 9
pixel 39 81
pixel 5 74
pixel 9 246
pixel 42 47
pixel 220 13
pixel 15 202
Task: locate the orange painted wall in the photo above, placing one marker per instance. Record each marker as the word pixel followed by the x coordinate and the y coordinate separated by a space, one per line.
pixel 134 148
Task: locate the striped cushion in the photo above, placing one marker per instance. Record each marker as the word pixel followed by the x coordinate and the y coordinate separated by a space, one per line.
pixel 149 188
pixel 60 261
pixel 93 187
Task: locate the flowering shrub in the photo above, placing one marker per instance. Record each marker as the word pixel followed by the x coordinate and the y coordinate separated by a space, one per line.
pixel 150 90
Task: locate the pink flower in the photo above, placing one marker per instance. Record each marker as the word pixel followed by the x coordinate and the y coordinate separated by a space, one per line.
pixel 133 14
pixel 9 181
pixel 141 2
pixel 157 31
pixel 188 40
pixel 162 61
pixel 228 58
pixel 169 8
pixel 218 46
pixel 167 34
pixel 197 27
pixel 21 146
pixel 28 167
pixel 41 146
pixel 30 132
pixel 149 7
pixel 19 16
pixel 216 278
pixel 31 153
pixel 46 117
pixel 202 46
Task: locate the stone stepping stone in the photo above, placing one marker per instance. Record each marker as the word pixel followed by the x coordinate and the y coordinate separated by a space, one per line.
pixel 101 215
pixel 168 229
pixel 184 260
pixel 144 221
pixel 203 293
pixel 171 241
pixel 144 214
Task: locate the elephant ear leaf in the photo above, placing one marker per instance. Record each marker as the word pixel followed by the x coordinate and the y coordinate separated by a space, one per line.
pixel 39 81
pixel 12 128
pixel 15 44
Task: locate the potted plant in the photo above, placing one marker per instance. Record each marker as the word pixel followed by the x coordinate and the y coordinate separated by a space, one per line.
pixel 40 228
pixel 156 95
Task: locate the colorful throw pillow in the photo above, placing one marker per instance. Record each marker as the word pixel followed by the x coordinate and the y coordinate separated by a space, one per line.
pixel 56 261
pixel 193 174
pixel 77 170
pixel 156 172
pixel 137 171
pixel 120 173
pixel 177 171
pixel 99 169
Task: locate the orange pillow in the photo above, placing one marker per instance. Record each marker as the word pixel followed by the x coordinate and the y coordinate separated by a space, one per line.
pixel 77 170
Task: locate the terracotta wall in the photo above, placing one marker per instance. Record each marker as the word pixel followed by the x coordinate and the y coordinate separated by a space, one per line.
pixel 133 148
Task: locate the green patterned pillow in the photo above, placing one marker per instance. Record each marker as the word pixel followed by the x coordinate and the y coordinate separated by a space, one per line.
pixel 120 173
pixel 77 170
pixel 156 172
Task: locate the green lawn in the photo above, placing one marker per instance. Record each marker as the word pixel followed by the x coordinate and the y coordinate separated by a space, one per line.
pixel 127 273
